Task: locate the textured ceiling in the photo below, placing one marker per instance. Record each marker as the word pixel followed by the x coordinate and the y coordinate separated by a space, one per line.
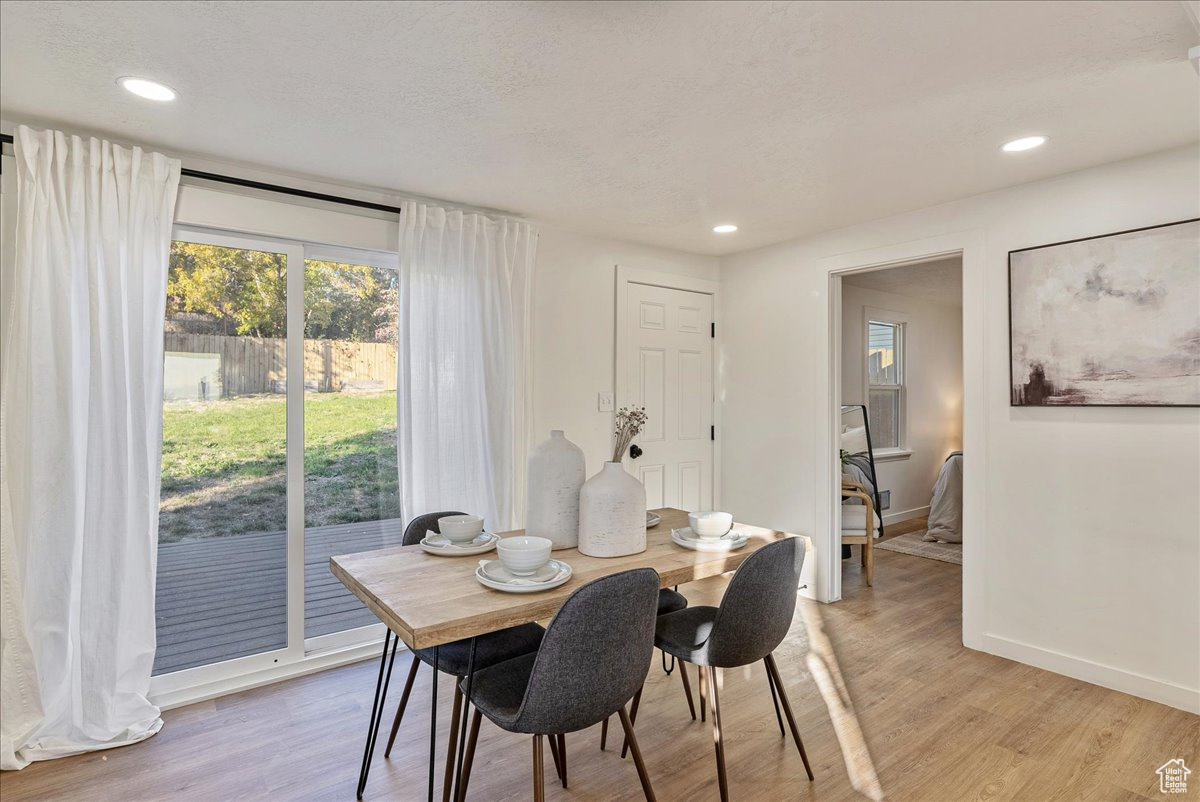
pixel 939 281
pixel 645 121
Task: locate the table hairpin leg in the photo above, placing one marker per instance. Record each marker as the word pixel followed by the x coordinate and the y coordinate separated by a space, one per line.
pixel 381 686
pixel 462 733
pixel 433 722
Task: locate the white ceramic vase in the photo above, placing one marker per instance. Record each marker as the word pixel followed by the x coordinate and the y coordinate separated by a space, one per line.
pixel 612 513
pixel 555 476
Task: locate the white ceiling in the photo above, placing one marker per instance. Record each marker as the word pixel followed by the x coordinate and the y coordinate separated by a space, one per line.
pixel 644 121
pixel 939 281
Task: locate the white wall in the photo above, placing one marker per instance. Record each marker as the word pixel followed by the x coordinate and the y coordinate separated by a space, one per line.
pixel 574 330
pixel 1083 525
pixel 933 389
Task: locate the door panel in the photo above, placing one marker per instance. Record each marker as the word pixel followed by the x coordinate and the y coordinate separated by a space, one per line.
pixel 691 403
pixel 669 360
pixel 653 386
pixel 652 477
pixel 691 485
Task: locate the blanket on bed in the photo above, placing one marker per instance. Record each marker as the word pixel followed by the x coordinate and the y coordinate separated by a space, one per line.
pixel 945 509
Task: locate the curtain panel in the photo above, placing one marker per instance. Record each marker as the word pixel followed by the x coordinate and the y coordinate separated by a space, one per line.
pixel 82 441
pixel 463 367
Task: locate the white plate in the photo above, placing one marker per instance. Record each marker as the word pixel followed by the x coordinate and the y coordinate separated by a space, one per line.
pixel 731 540
pixel 437 544
pixel 492 574
pixel 653 519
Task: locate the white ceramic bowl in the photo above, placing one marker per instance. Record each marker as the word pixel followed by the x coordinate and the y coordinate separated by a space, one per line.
pixel 523 555
pixel 460 528
pixel 710 525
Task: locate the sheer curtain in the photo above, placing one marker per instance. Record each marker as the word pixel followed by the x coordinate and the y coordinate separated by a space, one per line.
pixel 82 440
pixel 463 377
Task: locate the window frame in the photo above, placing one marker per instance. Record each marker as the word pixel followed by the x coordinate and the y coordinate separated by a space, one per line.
pixel 900 321
pixel 301 655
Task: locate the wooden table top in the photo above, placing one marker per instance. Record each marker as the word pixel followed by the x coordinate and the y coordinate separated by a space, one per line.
pixel 429 600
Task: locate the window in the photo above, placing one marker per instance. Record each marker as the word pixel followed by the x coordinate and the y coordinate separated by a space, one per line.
pixel 885 382
pixel 279 450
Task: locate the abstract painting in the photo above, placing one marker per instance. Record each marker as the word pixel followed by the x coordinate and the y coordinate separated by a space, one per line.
pixel 1107 321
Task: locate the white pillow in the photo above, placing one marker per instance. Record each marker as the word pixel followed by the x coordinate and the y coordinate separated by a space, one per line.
pixel 854 440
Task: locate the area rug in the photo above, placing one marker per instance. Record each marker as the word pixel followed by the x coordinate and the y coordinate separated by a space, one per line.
pixel 911 543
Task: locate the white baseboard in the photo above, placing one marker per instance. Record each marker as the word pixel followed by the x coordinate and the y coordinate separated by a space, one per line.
pixel 904 515
pixel 311 664
pixel 1116 679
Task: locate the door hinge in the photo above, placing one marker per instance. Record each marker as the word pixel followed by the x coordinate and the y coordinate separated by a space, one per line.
pixel 714 331
pixel 712 432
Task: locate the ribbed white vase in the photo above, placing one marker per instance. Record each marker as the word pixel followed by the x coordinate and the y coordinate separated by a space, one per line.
pixel 612 513
pixel 554 479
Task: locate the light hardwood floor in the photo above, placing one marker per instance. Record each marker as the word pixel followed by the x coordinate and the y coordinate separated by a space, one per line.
pixel 942 723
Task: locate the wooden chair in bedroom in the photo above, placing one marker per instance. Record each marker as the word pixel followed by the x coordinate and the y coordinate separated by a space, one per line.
pixel 860 537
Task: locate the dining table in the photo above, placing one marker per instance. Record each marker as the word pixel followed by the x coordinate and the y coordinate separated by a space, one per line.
pixel 428 600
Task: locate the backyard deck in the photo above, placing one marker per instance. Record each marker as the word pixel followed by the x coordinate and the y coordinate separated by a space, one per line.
pixel 226 597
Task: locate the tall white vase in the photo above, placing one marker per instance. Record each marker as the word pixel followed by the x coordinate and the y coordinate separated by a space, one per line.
pixel 612 513
pixel 554 479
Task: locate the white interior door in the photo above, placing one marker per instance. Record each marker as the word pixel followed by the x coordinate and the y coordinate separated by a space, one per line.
pixel 669 366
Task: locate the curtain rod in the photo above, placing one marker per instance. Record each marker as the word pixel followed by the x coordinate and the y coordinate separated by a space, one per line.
pixel 246 182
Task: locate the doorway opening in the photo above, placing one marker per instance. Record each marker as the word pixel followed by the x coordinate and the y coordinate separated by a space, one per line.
pixel 899 353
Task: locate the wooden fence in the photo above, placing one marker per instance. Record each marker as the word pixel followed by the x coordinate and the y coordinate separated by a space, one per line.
pixel 249 365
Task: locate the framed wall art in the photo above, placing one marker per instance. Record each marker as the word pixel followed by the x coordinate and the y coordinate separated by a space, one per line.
pixel 1112 320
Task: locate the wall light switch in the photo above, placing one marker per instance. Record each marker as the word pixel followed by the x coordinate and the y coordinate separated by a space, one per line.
pixel 605 402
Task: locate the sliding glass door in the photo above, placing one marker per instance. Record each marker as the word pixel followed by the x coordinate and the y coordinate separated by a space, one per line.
pixel 279 451
pixel 351 489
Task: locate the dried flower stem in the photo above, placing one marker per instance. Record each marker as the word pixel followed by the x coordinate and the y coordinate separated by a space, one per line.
pixel 630 421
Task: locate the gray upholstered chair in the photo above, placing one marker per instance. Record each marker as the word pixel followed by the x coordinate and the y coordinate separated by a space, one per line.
pixel 753 619
pixel 453 658
pixel 669 601
pixel 593 659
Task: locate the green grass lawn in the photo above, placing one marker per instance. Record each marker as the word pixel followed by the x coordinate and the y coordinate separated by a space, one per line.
pixel 223 465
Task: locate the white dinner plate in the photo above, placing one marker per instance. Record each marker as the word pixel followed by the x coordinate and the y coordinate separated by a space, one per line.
pixel 493 574
pixel 730 541
pixel 653 519
pixel 437 544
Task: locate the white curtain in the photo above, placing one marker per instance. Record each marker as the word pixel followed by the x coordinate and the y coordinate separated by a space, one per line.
pixel 82 440
pixel 463 378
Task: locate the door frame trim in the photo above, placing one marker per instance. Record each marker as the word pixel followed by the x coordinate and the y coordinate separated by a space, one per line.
pixel 302 655
pixel 971 244
pixel 632 275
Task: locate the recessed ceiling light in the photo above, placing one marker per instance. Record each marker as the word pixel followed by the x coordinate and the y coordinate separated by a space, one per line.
pixel 1024 143
pixel 725 228
pixel 151 90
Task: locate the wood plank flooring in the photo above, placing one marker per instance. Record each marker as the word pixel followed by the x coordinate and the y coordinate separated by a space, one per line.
pixel 226 597
pixel 942 723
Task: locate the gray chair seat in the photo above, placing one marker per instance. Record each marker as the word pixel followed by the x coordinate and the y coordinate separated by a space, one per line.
pixel 495 647
pixel 685 633
pixel 499 689
pixel 670 600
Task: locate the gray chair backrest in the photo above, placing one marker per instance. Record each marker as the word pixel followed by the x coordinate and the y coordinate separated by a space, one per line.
pixel 594 656
pixel 758 605
pixel 417 527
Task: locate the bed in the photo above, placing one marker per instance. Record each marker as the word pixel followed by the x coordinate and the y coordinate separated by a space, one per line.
pixel 945 508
